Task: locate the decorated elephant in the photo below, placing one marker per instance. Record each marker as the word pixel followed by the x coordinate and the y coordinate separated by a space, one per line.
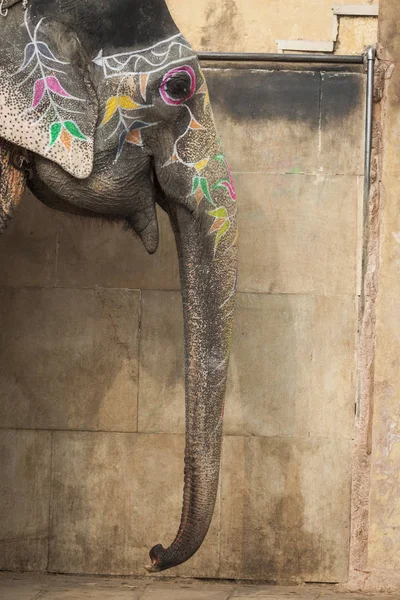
pixel 104 111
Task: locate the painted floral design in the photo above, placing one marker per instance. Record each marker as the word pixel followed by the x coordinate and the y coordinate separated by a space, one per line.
pixel 39 66
pixel 200 184
pixel 115 103
pixel 146 61
pixel 123 111
pixel 201 189
pixel 222 224
pixel 129 126
pixel 226 182
pixel 173 53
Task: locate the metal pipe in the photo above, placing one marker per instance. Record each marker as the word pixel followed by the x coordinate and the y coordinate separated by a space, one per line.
pixel 357 59
pixel 370 56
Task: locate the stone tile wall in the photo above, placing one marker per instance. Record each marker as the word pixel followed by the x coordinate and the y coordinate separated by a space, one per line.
pixel 91 359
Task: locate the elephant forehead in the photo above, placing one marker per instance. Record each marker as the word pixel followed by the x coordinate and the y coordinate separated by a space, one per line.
pixel 157 58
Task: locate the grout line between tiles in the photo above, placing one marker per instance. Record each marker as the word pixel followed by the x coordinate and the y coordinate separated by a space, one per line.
pixel 182 434
pixel 219 515
pixel 319 121
pixel 310 293
pixel 50 500
pixel 231 593
pixel 139 358
pixel 141 595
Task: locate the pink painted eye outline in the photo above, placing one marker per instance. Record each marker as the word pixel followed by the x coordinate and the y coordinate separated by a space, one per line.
pixel 164 94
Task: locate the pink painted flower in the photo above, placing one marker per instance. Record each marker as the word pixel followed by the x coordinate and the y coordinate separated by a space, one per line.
pixel 38 92
pixel 49 83
pixel 55 86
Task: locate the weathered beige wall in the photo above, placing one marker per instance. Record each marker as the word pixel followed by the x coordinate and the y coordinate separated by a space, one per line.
pixel 255 25
pixel 355 34
pixel 384 543
pixel 91 359
pixel 377 563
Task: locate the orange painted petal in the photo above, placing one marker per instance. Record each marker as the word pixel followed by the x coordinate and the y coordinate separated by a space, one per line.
pixel 143 84
pixel 203 89
pixel 174 158
pixel 199 195
pixel 217 225
pixel 66 139
pixel 195 124
pixel 134 137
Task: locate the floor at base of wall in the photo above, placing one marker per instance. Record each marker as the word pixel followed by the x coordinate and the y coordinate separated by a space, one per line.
pixel 15 586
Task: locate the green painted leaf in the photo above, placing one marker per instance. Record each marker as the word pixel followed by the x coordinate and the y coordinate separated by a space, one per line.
pixel 196 183
pixel 205 190
pixel 55 130
pixel 219 213
pixel 74 130
pixel 219 183
pixel 221 232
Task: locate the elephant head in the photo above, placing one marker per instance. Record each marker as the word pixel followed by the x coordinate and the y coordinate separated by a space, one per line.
pixel 111 105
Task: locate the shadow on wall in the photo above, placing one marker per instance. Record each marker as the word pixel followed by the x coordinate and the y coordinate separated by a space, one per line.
pixel 289 549
pixel 69 358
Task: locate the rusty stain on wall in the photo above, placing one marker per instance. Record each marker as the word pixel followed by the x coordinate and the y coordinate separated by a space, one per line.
pixel 223 16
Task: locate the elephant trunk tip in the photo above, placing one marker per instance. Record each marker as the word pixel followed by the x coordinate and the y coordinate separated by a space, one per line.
pixel 156 556
pixel 162 559
pixel 176 554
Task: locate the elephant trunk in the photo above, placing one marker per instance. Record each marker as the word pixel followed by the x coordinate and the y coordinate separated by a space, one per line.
pixel 208 280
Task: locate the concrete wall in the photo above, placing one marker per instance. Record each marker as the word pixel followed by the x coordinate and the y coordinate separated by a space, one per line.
pixel 255 25
pixel 91 358
pixel 376 514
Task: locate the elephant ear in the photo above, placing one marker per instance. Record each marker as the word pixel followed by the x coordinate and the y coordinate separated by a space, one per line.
pixel 46 102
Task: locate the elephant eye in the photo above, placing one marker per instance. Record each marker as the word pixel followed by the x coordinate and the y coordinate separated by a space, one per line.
pixel 178 85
